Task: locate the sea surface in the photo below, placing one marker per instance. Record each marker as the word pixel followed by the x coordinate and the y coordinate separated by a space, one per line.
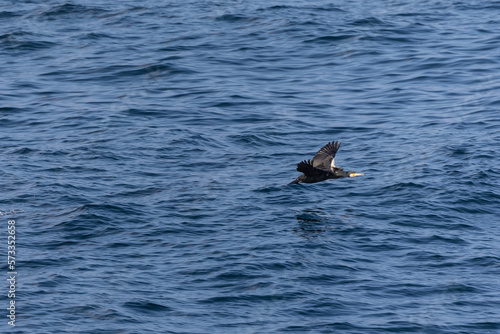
pixel 146 148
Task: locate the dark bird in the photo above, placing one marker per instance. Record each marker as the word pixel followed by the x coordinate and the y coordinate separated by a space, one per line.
pixel 322 166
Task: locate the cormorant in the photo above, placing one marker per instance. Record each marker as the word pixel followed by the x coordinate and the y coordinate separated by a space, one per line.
pixel 322 166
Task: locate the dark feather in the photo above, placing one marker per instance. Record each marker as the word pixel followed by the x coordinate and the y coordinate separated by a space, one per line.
pixel 323 159
pixel 308 169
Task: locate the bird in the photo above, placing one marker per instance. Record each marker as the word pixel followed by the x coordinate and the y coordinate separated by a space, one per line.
pixel 322 166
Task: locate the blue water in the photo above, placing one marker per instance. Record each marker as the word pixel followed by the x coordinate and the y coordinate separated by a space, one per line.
pixel 146 148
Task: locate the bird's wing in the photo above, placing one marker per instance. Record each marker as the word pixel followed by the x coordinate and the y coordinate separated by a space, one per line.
pixel 325 157
pixel 308 169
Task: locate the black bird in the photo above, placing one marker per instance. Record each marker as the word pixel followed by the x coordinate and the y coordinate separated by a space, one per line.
pixel 322 166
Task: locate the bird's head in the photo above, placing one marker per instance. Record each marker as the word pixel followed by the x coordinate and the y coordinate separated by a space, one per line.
pixel 339 172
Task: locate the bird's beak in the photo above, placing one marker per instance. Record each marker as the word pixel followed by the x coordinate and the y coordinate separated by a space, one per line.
pixel 355 174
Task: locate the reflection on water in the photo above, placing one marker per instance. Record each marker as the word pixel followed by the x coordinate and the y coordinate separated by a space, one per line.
pixel 314 222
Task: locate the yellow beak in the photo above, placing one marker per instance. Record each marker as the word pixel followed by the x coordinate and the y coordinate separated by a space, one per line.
pixel 355 174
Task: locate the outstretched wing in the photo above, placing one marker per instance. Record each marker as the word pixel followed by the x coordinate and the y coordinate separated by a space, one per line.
pixel 324 159
pixel 308 169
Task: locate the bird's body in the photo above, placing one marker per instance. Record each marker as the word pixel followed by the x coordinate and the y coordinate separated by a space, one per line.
pixel 322 166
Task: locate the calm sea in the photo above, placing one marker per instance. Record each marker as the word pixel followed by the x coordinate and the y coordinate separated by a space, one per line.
pixel 147 147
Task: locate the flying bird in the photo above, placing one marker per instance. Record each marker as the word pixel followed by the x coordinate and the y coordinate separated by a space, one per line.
pixel 322 166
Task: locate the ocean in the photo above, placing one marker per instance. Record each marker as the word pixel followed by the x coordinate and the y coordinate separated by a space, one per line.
pixel 147 147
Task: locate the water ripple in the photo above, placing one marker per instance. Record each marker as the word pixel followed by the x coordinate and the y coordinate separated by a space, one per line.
pixel 147 151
